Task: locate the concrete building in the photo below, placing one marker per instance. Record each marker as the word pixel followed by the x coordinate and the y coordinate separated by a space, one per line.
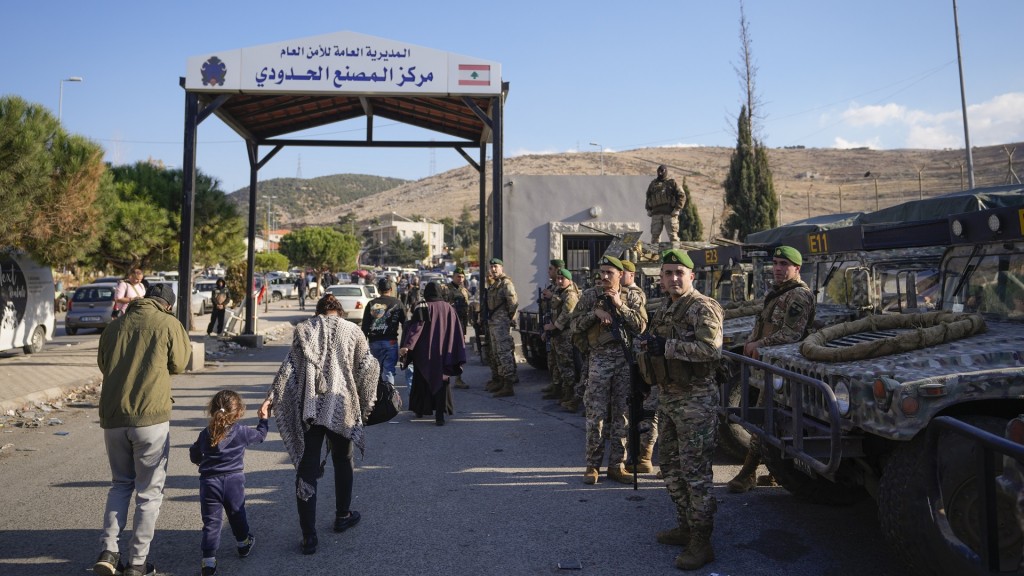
pixel 396 226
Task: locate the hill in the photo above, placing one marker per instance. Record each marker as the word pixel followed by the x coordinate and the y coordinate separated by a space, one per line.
pixel 301 200
pixel 809 181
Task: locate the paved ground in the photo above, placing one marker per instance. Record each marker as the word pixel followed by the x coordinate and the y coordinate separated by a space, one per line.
pixel 496 491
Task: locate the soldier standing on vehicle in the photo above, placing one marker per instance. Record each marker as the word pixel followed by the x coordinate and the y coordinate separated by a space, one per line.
pixel 664 203
pixel 605 314
pixel 684 348
pixel 553 390
pixel 786 317
pixel 502 304
pixel 458 296
pixel 562 303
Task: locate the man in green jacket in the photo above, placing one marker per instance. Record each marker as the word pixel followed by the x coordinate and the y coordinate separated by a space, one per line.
pixel 137 354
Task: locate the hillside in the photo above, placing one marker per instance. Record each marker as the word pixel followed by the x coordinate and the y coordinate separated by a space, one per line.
pixel 301 200
pixel 810 182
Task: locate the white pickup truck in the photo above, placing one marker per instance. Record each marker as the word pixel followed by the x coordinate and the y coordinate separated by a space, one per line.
pixel 26 303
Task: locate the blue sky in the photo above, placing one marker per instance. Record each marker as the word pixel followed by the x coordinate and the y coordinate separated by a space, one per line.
pixel 625 75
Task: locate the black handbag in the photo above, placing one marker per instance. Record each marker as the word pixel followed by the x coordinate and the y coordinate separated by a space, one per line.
pixel 388 404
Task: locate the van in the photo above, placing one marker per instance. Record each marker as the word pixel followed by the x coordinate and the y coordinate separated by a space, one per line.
pixel 26 303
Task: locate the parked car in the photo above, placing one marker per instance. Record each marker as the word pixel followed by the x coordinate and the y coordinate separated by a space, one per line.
pixel 92 306
pixel 282 287
pixel 353 298
pixel 202 291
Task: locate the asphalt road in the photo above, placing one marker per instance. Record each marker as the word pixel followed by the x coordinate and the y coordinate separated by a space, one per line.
pixel 496 491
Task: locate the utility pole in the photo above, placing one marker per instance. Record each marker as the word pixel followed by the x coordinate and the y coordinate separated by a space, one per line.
pixel 963 100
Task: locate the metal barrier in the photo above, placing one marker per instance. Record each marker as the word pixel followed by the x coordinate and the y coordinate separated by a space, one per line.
pixel 823 437
pixel 988 558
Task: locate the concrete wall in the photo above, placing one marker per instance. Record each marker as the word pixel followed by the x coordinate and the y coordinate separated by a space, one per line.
pixel 538 210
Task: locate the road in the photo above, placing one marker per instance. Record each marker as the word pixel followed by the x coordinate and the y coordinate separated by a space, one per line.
pixel 496 491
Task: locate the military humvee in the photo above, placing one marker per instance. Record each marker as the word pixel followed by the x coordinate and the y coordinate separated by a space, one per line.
pixel 851 406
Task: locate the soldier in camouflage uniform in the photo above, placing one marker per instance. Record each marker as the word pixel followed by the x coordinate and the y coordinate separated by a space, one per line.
pixel 457 295
pixel 502 304
pixel 562 302
pixel 649 426
pixel 664 203
pixel 544 308
pixel 786 317
pixel 682 352
pixel 600 309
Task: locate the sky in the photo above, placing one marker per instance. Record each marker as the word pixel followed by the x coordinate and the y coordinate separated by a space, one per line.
pixel 584 75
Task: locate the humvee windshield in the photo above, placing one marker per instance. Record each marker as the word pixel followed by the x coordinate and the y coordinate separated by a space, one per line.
pixel 990 283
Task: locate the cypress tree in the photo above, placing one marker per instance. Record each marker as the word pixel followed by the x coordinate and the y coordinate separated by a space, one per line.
pixel 690 226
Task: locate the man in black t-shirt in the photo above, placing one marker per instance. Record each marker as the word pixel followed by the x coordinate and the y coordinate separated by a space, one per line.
pixel 382 318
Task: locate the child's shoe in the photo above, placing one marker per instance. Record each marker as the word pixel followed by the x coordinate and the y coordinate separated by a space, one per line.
pixel 209 570
pixel 245 546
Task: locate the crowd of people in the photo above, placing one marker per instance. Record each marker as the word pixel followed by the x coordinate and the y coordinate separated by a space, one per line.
pixel 326 387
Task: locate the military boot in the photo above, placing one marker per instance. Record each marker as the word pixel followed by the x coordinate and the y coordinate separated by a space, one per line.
pixel 619 474
pixel 504 392
pixel 745 479
pixel 645 466
pixel 590 476
pixel 698 551
pixel 547 389
pixel 494 385
pixel 678 536
pixel 554 393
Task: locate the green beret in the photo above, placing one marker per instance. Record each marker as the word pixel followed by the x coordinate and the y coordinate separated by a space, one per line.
pixel 558 263
pixel 459 270
pixel 789 253
pixel 628 266
pixel 611 261
pixel 676 256
pixel 565 272
pixel 497 261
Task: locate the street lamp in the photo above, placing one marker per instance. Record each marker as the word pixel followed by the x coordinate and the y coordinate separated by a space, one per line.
pixel 60 103
pixel 601 148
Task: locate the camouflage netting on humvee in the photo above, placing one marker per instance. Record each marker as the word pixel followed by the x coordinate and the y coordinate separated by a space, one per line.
pixel 919 331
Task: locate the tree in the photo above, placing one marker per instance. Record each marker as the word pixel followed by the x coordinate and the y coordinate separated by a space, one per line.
pixel 271 261
pixel 690 226
pixel 749 189
pixel 49 185
pixel 320 249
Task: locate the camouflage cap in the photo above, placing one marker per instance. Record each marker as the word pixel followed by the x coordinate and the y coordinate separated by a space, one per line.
pixel 558 263
pixel 611 261
pixel 459 270
pixel 565 272
pixel 497 261
pixel 628 266
pixel 789 253
pixel 676 256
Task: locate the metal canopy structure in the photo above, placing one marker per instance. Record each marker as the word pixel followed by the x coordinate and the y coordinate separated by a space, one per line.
pixel 268 92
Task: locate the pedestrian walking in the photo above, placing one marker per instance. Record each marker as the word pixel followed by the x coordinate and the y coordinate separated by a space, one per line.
pixel 325 389
pixel 137 354
pixel 301 286
pixel 220 454
pixel 383 317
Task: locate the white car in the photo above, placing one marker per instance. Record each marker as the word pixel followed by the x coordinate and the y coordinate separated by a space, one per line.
pixel 202 290
pixel 354 298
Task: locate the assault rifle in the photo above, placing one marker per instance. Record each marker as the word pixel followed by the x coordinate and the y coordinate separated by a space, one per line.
pixel 637 389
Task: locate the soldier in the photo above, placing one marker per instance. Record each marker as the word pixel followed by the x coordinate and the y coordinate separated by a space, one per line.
pixel 600 310
pixel 502 305
pixel 560 360
pixel 553 390
pixel 664 203
pixel 786 317
pixel 648 427
pixel 683 350
pixel 458 296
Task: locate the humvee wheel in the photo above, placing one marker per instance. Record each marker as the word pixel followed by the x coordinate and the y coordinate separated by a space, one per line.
pixel 733 439
pixel 905 515
pixel 535 351
pixel 817 490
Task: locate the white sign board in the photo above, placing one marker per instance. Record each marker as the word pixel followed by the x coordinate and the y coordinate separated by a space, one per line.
pixel 344 62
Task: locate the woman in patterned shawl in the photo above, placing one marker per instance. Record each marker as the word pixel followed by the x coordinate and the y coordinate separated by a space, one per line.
pixel 324 389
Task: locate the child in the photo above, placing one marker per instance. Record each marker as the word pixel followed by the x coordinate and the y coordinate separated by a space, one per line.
pixel 220 451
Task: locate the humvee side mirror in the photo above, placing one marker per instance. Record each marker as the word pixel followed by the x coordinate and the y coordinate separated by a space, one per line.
pixel 860 286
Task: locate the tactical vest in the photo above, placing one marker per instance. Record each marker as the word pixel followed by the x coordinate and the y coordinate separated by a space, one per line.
pixel 598 334
pixel 496 296
pixel 673 373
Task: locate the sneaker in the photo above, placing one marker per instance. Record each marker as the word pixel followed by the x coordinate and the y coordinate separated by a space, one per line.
pixel 309 544
pixel 342 523
pixel 209 570
pixel 245 546
pixel 107 564
pixel 140 570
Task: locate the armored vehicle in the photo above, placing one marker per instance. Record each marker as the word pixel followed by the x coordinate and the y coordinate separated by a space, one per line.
pixel 851 406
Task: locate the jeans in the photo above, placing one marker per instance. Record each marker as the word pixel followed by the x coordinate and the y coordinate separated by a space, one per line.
pixel 386 352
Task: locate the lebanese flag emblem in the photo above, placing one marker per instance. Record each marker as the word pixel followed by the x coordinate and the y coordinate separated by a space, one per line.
pixel 474 74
